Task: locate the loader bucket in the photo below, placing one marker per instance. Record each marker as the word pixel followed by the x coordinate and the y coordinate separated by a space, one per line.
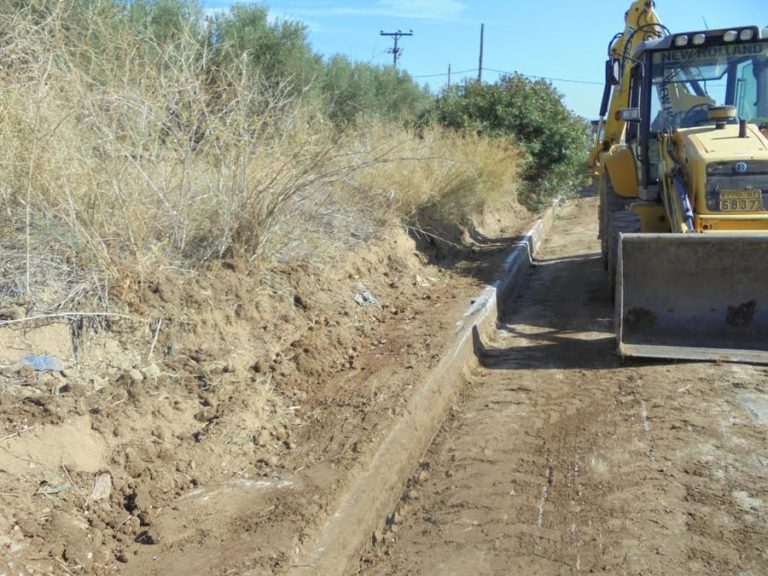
pixel 693 296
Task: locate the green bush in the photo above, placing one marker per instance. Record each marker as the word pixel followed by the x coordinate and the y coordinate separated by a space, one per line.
pixel 532 114
pixel 278 51
pixel 352 90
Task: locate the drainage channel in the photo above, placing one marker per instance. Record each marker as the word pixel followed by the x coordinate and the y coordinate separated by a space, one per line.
pixel 375 491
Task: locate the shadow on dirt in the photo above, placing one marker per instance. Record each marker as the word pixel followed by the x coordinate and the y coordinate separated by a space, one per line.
pixel 559 317
pixel 554 350
pixel 468 250
pixel 482 258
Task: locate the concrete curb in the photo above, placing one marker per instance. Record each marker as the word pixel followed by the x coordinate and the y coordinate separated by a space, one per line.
pixel 375 491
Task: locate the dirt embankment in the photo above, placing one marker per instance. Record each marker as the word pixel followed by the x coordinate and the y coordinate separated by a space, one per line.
pixel 208 428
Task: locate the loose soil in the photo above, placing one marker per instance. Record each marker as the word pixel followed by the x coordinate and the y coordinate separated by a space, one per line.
pixel 211 426
pixel 560 459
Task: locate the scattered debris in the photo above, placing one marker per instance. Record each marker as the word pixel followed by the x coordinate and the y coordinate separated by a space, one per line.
pixel 420 281
pixel 49 490
pixel 42 363
pixel 365 298
pixel 102 487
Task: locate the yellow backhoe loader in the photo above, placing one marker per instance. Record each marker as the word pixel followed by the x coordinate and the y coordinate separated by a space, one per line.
pixel 681 168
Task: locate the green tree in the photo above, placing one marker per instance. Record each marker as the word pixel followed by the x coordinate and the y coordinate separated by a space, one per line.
pixel 164 21
pixel 279 51
pixel 345 90
pixel 533 114
pixel 354 90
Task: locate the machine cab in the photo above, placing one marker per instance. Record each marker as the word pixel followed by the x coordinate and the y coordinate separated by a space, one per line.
pixel 685 80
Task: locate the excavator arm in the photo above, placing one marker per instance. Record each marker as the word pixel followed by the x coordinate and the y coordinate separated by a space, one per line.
pixel 640 24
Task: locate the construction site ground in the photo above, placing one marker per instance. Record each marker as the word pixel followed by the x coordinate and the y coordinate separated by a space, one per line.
pixel 214 426
pixel 562 459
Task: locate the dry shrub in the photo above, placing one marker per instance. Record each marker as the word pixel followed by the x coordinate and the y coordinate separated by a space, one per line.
pixel 122 160
pixel 114 168
pixel 437 177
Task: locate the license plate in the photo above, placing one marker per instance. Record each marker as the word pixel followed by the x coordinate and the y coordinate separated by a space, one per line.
pixel 741 201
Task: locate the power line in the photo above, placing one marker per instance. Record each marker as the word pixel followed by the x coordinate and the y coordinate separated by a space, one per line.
pixel 444 74
pixel 548 78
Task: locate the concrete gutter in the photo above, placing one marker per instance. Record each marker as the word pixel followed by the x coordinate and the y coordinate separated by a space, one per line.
pixel 374 493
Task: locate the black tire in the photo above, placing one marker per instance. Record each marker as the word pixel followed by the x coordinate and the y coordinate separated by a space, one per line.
pixel 621 222
pixel 609 203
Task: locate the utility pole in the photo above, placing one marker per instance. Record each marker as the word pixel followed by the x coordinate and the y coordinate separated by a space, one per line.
pixel 395 50
pixel 480 67
pixel 449 75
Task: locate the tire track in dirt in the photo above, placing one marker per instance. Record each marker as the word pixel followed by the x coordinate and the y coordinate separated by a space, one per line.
pixel 561 460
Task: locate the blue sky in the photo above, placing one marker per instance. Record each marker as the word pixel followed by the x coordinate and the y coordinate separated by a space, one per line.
pixel 557 39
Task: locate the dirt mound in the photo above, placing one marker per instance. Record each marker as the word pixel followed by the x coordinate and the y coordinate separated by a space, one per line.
pixel 214 421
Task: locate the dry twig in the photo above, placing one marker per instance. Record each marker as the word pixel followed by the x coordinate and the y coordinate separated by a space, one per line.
pixel 72 315
pixel 69 478
pixel 19 433
pixel 154 340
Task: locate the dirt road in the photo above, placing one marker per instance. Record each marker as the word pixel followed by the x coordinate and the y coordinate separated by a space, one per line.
pixel 560 459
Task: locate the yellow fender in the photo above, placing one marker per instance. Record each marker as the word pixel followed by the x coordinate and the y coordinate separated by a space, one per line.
pixel 622 169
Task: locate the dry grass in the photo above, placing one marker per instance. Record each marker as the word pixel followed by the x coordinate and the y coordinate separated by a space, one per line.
pixel 438 176
pixel 119 161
